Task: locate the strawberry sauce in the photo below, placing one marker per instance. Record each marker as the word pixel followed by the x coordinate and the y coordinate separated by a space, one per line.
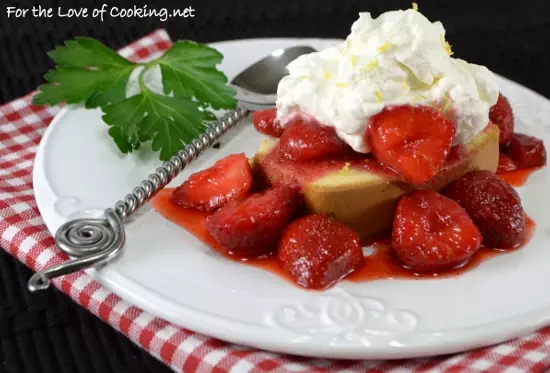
pixel 380 265
pixel 195 222
pixel 518 177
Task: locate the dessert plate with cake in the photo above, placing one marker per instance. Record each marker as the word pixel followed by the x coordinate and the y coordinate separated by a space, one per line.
pixel 392 204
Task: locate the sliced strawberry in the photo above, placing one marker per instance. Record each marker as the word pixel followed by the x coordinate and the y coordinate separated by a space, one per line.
pixel 227 180
pixel 265 122
pixel 413 140
pixel 252 227
pixel 432 232
pixel 306 139
pixel 318 251
pixel 502 115
pixel 527 151
pixel 493 205
pixel 505 163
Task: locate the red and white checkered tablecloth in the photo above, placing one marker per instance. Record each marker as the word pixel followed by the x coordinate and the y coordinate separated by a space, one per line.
pixel 24 235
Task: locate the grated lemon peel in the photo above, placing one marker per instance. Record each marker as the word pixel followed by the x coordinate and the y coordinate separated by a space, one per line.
pixel 446 45
pixel 384 47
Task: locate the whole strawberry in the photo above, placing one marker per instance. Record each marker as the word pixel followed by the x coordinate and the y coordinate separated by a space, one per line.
pixel 494 206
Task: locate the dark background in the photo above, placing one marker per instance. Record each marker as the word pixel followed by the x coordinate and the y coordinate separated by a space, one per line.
pixel 47 332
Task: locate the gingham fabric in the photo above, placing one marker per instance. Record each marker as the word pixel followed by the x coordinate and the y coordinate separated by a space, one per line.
pixel 24 235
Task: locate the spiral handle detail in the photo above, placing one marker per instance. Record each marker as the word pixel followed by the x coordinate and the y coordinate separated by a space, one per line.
pixel 95 242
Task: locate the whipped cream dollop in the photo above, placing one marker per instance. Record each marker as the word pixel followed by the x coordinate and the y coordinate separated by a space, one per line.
pixel 398 58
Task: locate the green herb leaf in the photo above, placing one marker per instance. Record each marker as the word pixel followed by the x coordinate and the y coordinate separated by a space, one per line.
pixel 169 122
pixel 89 72
pixel 188 70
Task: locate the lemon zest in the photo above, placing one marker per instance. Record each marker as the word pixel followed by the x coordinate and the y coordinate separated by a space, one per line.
pixel 446 101
pixel 327 75
pixel 353 60
pixel 446 45
pixel 384 47
pixel 370 66
pixel 341 85
pixel 415 7
pixel 379 96
pixel 302 77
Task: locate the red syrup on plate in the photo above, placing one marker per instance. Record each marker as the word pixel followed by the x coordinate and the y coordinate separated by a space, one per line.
pixel 381 264
pixel 517 178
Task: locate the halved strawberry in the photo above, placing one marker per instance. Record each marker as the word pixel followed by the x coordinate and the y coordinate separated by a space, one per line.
pixel 502 115
pixel 265 122
pixel 252 227
pixel 413 140
pixel 527 151
pixel 306 139
pixel 317 251
pixel 505 163
pixel 227 180
pixel 432 232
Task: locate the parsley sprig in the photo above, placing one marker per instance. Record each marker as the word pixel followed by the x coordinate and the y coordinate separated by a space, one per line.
pixel 90 73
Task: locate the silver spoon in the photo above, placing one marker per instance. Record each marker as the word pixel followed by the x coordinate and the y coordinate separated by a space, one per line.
pixel 95 242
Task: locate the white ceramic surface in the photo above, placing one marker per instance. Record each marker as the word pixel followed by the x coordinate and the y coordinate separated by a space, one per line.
pixel 168 272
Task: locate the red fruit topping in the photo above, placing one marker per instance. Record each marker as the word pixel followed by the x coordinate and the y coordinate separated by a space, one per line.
pixel 252 227
pixel 527 151
pixel 227 180
pixel 502 115
pixel 505 163
pixel 415 141
pixel 265 122
pixel 432 232
pixel 493 205
pixel 306 139
pixel 318 251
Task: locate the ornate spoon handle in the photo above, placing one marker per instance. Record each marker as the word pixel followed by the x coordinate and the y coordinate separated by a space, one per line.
pixel 95 242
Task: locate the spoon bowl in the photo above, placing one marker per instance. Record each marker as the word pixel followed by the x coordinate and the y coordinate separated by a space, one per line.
pixel 256 86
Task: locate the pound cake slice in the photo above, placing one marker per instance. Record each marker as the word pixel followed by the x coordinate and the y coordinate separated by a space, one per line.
pixel 359 191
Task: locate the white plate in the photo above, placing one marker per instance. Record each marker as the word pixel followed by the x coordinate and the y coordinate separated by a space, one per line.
pixel 171 274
